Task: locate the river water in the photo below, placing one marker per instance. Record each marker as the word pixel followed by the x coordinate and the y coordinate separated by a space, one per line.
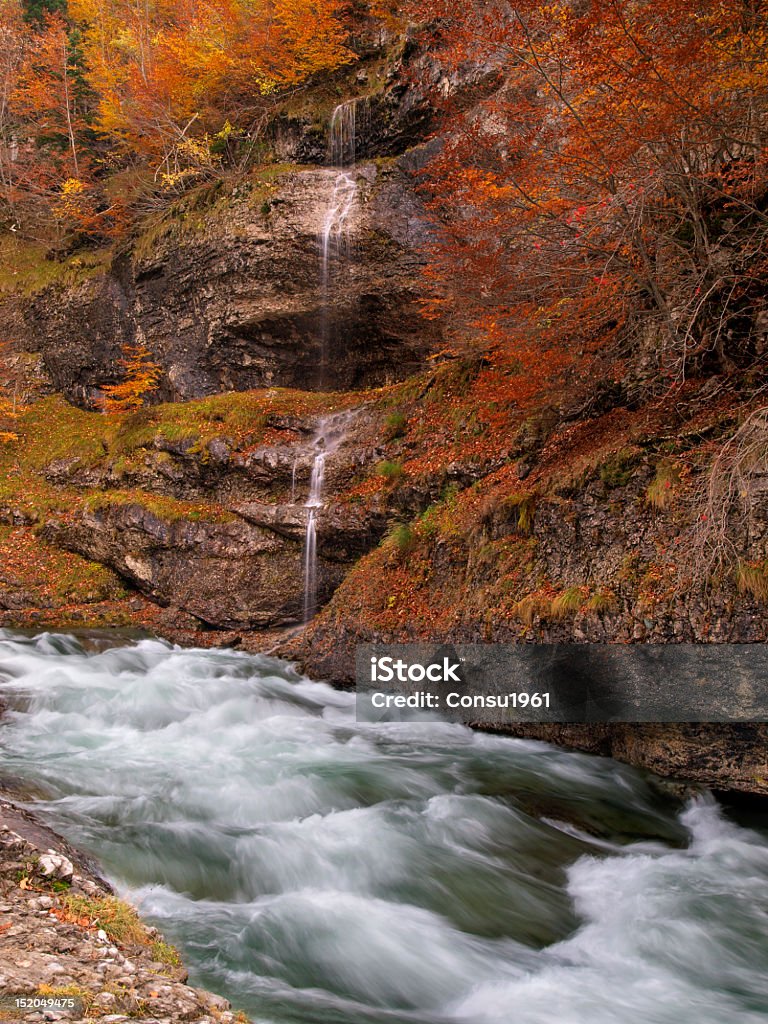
pixel 319 871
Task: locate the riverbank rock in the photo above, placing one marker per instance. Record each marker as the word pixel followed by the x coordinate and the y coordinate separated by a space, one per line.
pixel 72 952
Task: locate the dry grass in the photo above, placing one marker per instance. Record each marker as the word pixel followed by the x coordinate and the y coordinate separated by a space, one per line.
pixel 723 502
pixel 567 603
pixel 119 920
pixel 665 486
pixel 602 602
pixel 522 505
pixel 753 580
pixel 531 607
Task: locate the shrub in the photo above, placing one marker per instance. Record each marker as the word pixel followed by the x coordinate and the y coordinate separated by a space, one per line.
pixel 391 471
pixel 395 425
pixel 141 377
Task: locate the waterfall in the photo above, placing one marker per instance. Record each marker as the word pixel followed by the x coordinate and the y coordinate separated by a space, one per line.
pixel 314 502
pixel 331 431
pixel 342 138
pixel 335 247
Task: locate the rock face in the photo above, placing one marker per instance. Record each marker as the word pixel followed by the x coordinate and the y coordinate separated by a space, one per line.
pixel 228 292
pixel 243 574
pixel 232 556
pixel 231 574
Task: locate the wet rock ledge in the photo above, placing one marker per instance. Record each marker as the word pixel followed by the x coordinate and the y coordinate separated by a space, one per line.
pixel 64 935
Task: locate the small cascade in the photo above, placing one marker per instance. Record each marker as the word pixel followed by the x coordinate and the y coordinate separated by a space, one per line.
pixel 335 248
pixel 342 138
pixel 331 431
pixel 314 502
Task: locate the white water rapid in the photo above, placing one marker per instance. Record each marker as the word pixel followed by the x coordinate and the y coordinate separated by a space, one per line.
pixel 316 870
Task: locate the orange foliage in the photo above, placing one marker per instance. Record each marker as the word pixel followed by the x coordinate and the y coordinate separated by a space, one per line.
pixel 604 184
pixel 168 72
pixel 141 378
pixel 177 83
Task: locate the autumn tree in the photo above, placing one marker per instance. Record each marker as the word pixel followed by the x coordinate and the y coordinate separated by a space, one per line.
pixel 613 183
pixel 169 76
pixel 39 10
pixel 179 86
pixel 141 377
pixel 13 36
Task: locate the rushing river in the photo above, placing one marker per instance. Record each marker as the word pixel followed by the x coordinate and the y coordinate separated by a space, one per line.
pixel 314 869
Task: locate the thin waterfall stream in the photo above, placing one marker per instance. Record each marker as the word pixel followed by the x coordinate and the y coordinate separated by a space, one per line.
pixel 319 870
pixel 335 247
pixel 314 502
pixel 329 435
pixel 335 251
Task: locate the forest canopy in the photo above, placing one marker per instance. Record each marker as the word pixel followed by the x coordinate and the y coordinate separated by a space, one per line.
pixel 612 184
pixel 91 87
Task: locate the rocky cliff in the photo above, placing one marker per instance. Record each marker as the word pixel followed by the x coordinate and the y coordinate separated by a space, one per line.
pixel 226 289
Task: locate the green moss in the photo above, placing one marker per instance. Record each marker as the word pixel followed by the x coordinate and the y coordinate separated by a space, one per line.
pixel 53 429
pixel 27 267
pixel 392 471
pixel 619 468
pixel 79 579
pixel 169 509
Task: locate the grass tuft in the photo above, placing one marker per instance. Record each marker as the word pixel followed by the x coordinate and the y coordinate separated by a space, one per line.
pixel 567 603
pixel 531 607
pixel 119 920
pixel 753 579
pixel 664 486
pixel 164 953
pixel 395 425
pixel 403 537
pixel 391 471
pixel 602 602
